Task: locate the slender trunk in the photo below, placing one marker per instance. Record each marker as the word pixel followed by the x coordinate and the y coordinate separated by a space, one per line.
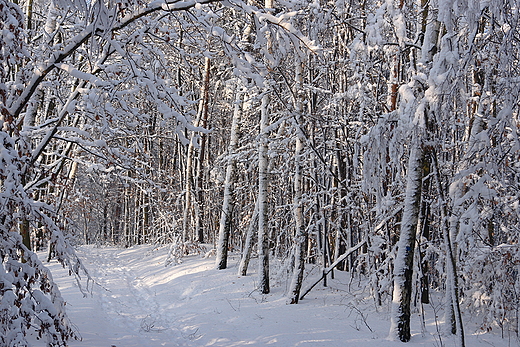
pixel 453 316
pixel 29 15
pixel 248 245
pixel 300 235
pixel 343 216
pixel 452 286
pixel 321 234
pixel 25 232
pixel 227 205
pixel 263 172
pixel 403 267
pixel 187 194
pixel 24 226
pixel 190 194
pixel 263 231
pixel 424 232
pixel 199 195
pixel 146 218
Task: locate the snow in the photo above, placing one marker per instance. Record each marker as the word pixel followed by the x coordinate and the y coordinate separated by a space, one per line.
pixel 82 75
pixel 138 302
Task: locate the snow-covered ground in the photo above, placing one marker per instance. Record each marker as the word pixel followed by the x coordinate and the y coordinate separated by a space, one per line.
pixel 138 302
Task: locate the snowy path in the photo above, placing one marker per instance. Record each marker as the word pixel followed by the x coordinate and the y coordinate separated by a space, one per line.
pixel 138 302
pixel 129 302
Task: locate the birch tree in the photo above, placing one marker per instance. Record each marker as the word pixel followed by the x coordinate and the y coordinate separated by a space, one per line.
pixel 403 267
pixel 263 223
pixel 300 234
pixel 227 206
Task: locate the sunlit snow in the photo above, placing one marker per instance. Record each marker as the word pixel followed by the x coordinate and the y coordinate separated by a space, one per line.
pixel 138 302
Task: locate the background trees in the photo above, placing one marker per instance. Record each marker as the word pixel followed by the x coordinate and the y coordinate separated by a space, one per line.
pixel 301 123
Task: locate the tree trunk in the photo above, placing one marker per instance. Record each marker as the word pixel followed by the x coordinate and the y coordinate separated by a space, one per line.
pixel 263 242
pixel 227 205
pixel 453 316
pixel 203 122
pixel 263 172
pixel 190 194
pixel 300 235
pixel 248 244
pixel 403 267
pixel 423 231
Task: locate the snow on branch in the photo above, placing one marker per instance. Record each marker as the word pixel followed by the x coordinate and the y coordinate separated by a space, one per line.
pixel 157 6
pixel 281 20
pixel 74 43
pixel 96 81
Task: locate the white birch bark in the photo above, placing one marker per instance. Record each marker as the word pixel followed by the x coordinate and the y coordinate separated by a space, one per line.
pixel 453 315
pixel 229 183
pixel 403 266
pixel 188 188
pixel 190 195
pixel 263 172
pixel 203 122
pixel 263 161
pixel 300 235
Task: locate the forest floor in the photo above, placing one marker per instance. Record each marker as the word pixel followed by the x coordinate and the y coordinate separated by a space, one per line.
pixel 135 301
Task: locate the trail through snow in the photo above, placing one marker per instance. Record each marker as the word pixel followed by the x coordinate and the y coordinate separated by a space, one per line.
pixel 138 302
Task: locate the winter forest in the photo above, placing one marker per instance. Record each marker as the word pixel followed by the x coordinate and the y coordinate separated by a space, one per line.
pixel 373 137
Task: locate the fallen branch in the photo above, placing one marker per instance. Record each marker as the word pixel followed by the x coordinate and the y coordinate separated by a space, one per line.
pixel 333 265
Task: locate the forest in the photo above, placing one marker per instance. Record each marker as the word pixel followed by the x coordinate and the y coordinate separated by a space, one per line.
pixel 375 137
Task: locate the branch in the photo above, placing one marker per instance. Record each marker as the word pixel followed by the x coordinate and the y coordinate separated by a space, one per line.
pixel 159 5
pixel 282 22
pixel 333 265
pixel 74 43
pixel 43 71
pixel 291 30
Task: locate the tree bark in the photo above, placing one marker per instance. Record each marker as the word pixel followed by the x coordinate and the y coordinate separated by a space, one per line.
pixel 263 243
pixel 227 205
pixel 453 316
pixel 403 267
pixel 300 235
pixel 203 122
pixel 248 244
pixel 190 197
pixel 263 172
